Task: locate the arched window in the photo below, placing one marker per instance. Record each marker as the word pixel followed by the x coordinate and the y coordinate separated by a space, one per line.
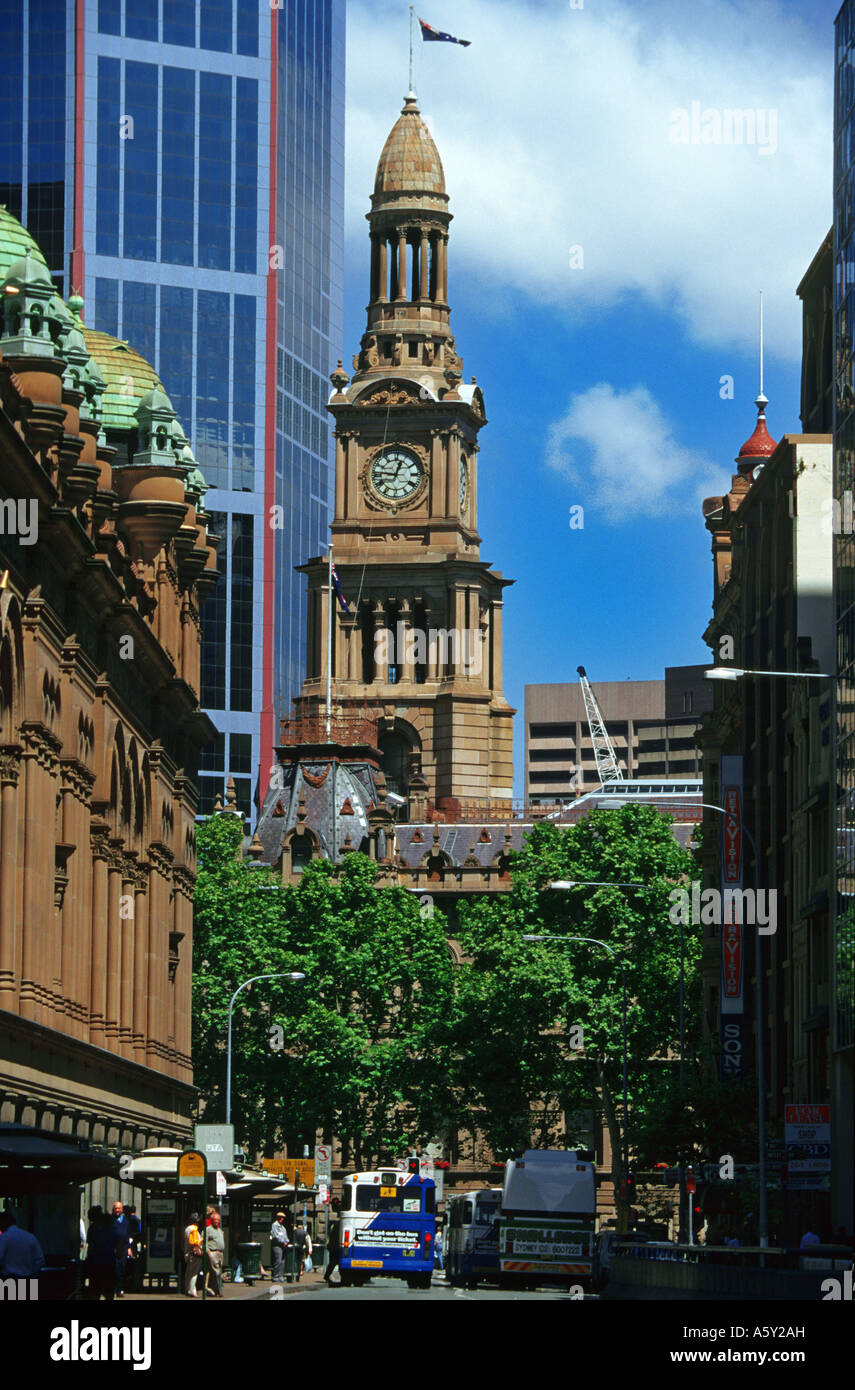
pixel 395 750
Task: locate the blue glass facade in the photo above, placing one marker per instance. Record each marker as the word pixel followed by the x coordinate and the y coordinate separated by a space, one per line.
pixel 176 218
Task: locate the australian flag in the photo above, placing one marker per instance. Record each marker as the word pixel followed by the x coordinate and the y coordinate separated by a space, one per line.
pixel 336 582
pixel 436 36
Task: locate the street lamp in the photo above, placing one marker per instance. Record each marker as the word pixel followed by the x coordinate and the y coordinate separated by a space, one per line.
pixel 594 941
pixel 733 673
pixel 294 976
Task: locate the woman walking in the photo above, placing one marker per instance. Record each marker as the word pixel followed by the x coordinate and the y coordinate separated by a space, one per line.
pixel 192 1255
pixel 215 1245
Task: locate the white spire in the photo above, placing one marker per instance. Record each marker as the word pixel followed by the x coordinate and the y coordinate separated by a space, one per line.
pixel 760 400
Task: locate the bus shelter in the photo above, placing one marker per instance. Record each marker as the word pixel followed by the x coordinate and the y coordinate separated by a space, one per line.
pixel 42 1179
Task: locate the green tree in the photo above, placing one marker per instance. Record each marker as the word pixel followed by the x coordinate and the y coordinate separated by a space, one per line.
pixel 361 1049
pixel 543 1021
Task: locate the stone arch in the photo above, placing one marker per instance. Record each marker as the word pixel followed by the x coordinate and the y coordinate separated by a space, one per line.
pixel 11 666
pixel 399 742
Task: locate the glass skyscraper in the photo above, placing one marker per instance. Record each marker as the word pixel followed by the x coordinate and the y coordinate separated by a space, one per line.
pixel 843 985
pixel 180 163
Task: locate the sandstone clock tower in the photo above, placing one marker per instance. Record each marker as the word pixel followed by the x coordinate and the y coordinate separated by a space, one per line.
pixel 422 643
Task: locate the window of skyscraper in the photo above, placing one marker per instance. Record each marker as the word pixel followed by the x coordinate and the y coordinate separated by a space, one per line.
pixel 247 27
pixel 212 417
pixel 179 22
pixel 212 756
pixel 214 624
pixel 240 753
pixel 215 29
pixel 141 19
pixel 106 315
pixel 139 312
pixel 109 16
pixel 246 174
pixel 241 652
pixel 215 169
pixel 107 194
pixel 176 351
pixel 140 155
pixel 243 394
pixel 177 165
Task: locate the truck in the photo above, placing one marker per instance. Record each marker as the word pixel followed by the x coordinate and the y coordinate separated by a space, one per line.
pixel 546 1223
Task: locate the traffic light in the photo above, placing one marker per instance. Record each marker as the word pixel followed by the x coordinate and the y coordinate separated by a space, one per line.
pixel 629 1188
pixel 413 1166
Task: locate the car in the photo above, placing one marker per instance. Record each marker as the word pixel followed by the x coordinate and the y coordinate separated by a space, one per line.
pixel 606 1246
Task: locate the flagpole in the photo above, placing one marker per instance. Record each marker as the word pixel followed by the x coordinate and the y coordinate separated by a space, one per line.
pixel 412 8
pixel 329 643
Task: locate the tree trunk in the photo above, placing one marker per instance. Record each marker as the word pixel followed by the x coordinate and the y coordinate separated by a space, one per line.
pixel 616 1142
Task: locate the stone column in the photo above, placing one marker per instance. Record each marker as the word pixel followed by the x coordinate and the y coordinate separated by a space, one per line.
pixel 442 269
pixel 472 503
pixel 141 964
pixel 10 766
pixel 126 972
pixel 496 626
pixel 452 485
pixel 424 280
pixel 402 265
pixel 114 926
pixel 340 477
pixel 157 967
pixel 381 667
pixel 403 646
pixel 437 474
pixel 352 485
pixel 432 672
pixel 324 615
pixel 98 959
pixel 375 264
pixel 460 629
pixel 383 285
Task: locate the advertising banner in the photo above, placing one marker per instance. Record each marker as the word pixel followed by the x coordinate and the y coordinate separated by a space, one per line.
pixel 732 930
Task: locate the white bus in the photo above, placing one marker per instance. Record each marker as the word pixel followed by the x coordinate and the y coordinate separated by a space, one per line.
pixel 472 1236
pixel 546 1227
pixel 388 1226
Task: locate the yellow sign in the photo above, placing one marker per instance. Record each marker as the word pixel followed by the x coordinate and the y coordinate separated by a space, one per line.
pixel 388 1191
pixel 191 1168
pixel 286 1167
pixel 367 1264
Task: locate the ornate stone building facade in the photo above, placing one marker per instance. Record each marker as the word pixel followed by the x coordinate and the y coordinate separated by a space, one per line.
pixel 105 561
pixel 422 641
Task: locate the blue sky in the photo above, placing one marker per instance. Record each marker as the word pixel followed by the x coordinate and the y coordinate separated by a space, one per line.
pixel 602 383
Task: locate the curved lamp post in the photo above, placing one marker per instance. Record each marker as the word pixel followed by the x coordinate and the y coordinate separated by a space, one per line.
pixel 294 976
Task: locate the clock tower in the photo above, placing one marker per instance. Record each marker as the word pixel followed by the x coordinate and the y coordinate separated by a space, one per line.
pixel 421 646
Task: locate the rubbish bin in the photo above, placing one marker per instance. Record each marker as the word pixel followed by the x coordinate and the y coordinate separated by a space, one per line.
pixel 249 1254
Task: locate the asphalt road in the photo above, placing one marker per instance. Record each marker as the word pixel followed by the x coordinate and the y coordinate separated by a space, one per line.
pixel 383 1290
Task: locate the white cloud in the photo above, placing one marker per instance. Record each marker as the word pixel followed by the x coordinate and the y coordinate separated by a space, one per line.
pixel 554 128
pixel 629 463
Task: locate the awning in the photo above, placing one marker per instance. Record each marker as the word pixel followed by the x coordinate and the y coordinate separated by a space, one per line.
pixel 35 1160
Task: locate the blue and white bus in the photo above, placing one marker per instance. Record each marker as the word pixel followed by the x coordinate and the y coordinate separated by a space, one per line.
pixel 388 1226
pixel 472 1236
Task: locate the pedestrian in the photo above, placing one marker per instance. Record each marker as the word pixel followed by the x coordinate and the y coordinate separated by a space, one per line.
pixel 215 1246
pixel 302 1247
pixel 192 1255
pixel 308 1262
pixel 100 1266
pixel 333 1251
pixel 21 1255
pixel 124 1246
pixel 437 1251
pixel 136 1248
pixel 279 1242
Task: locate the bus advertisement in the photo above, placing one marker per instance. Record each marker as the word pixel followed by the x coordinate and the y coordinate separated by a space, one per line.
pixel 388 1226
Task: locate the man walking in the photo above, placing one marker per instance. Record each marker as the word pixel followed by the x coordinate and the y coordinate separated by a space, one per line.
pixel 278 1244
pixel 215 1249
pixel 21 1255
pixel 124 1248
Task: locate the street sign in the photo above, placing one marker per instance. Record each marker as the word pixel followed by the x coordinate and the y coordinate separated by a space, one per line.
pixel 304 1167
pixel 809 1151
pixel 426 1167
pixel 807 1124
pixel 809 1165
pixel 323 1162
pixel 809 1182
pixel 192 1169
pixel 323 1195
pixel 217 1143
pixel 439 1180
pixel 222 1185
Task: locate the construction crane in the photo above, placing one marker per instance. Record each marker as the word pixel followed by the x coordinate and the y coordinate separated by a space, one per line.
pixel 608 768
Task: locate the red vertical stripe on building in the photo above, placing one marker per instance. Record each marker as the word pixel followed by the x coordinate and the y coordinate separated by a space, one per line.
pixel 269 602
pixel 77 267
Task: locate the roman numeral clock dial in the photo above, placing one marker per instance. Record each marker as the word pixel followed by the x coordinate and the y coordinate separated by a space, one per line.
pixel 396 475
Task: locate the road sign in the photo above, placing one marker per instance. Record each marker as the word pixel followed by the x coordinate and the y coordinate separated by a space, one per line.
pixel 217 1143
pixel 222 1185
pixel 323 1162
pixel 807 1124
pixel 809 1151
pixel 192 1169
pixel 809 1165
pixel 323 1195
pixel 808 1182
pixel 439 1180
pixel 304 1167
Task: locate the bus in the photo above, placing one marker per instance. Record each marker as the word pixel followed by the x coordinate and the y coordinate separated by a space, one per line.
pixel 472 1236
pixel 388 1226
pixel 546 1226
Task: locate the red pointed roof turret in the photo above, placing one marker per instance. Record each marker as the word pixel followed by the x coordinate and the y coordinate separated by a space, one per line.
pixel 760 446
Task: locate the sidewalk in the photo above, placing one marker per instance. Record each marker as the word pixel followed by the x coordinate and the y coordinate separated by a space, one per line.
pixel 259 1289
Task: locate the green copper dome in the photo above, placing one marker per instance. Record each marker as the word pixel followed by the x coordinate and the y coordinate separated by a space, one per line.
pixel 15 242
pixel 128 376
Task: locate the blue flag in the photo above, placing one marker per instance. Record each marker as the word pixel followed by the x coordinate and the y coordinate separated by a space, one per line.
pixel 436 36
pixel 337 586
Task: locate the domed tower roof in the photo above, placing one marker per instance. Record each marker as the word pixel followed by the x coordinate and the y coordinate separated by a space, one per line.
pixel 760 445
pixel 409 162
pixel 128 376
pixel 16 243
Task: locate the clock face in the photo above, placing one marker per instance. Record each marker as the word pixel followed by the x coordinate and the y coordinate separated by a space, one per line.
pixel 396 475
pixel 464 480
